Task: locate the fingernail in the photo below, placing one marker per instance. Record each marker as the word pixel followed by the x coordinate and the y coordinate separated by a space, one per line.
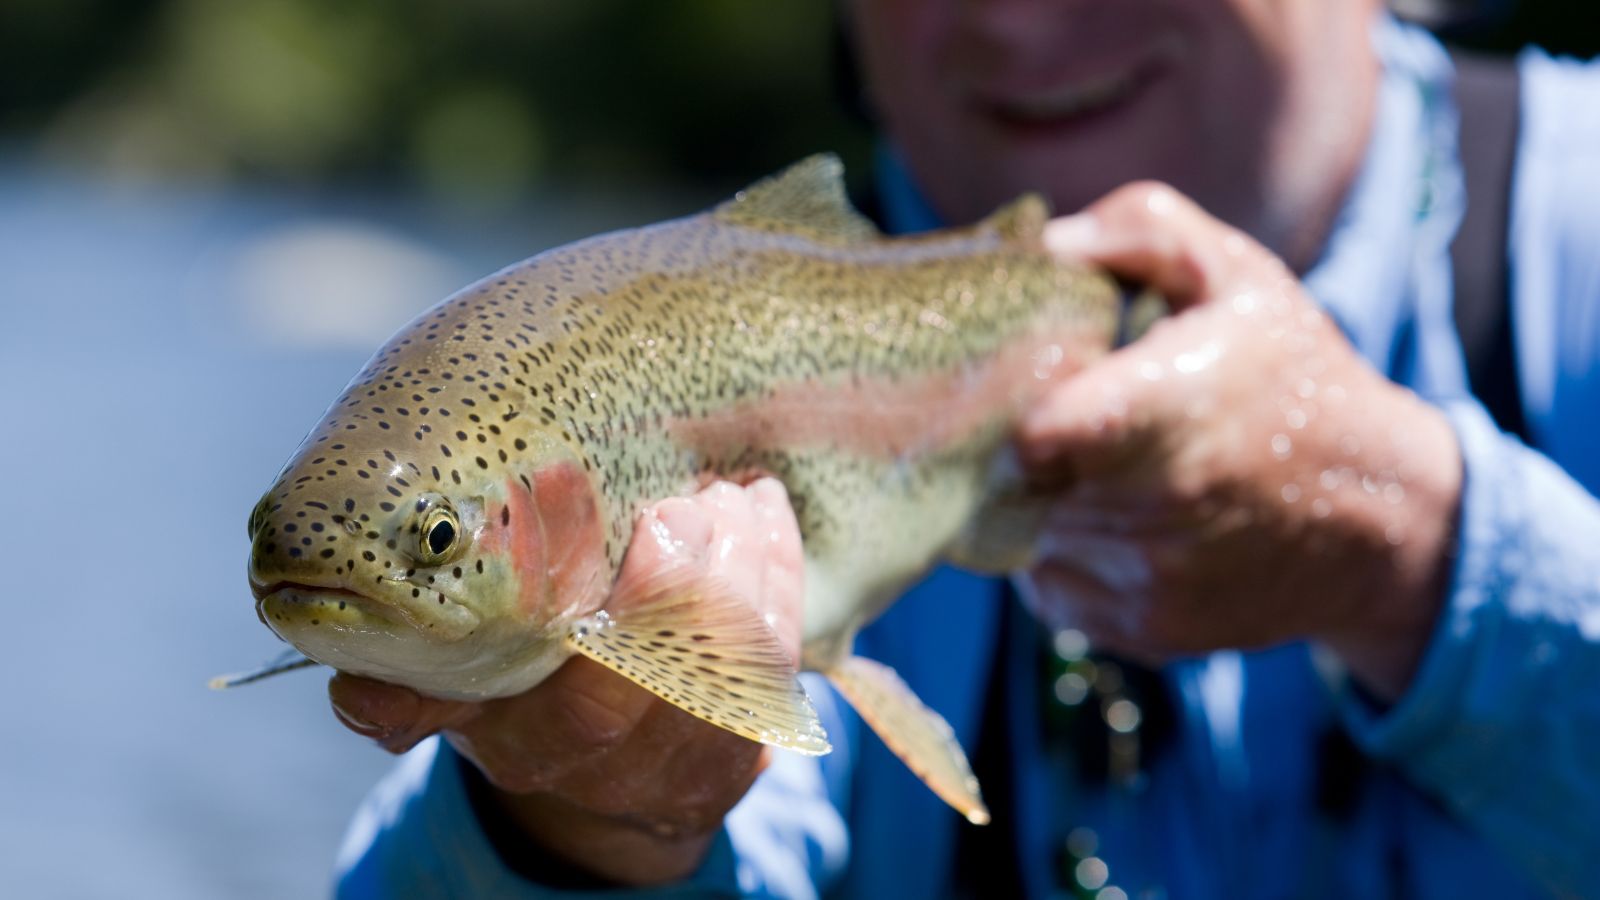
pixel 359 725
pixel 373 710
pixel 1073 235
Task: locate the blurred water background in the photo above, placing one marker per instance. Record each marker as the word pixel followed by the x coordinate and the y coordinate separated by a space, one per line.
pixel 210 215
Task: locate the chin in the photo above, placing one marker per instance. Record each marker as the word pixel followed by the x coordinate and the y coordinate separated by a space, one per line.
pixel 363 638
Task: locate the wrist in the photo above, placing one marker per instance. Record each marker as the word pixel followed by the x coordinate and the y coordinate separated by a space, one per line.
pixel 620 851
pixel 1384 637
pixel 557 844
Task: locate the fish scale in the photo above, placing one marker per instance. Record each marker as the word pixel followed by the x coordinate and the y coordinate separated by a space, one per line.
pixel 457 520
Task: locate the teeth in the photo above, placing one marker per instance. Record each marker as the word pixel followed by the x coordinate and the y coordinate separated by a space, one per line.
pixel 1075 98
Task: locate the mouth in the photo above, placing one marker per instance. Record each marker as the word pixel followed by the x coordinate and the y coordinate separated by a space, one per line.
pixel 281 604
pixel 288 603
pixel 1075 100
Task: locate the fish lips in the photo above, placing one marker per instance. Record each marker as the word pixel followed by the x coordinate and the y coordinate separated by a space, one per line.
pixel 429 614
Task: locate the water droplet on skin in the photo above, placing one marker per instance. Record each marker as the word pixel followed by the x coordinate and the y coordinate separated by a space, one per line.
pixel 1235 245
pixel 1394 534
pixel 1150 370
pixel 1046 361
pixel 1295 418
pixel 1335 392
pixel 1246 303
pixel 1394 493
pixel 1369 484
pixel 1161 202
pixel 1349 445
pixel 1195 360
pixel 1307 388
pixel 1281 446
pixel 1329 479
pixel 1321 508
pixel 1291 493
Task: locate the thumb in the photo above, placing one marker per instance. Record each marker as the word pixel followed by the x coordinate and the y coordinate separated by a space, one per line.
pixel 1089 423
pixel 1085 423
pixel 1150 234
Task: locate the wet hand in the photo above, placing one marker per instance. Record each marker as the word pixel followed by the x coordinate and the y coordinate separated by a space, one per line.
pixel 1239 476
pixel 594 769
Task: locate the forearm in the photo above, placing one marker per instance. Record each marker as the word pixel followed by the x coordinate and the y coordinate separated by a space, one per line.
pixel 1502 719
pixel 422 833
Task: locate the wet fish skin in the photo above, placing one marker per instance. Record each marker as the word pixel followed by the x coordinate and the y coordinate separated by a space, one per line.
pixel 518 428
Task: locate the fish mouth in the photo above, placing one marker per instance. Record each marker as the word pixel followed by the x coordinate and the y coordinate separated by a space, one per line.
pixel 432 614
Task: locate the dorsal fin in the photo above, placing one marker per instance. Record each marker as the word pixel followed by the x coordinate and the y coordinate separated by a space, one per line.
pixel 807 197
pixel 1022 219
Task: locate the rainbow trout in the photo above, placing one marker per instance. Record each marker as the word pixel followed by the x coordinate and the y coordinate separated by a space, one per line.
pixel 457 520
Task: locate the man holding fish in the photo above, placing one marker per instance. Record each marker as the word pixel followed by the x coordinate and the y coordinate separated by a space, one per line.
pixel 1317 557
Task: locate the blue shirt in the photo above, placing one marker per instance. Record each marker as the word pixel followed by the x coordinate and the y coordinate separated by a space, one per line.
pixel 1483 780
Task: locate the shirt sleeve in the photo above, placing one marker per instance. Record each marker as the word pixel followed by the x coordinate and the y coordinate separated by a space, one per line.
pixel 418 836
pixel 1502 720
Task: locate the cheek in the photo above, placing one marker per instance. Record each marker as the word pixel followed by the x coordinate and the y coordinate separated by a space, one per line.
pixel 553 539
pixel 899 46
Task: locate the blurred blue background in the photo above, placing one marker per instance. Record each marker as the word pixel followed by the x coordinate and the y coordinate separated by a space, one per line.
pixel 210 215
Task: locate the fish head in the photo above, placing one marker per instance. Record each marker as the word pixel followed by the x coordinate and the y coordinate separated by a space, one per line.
pixel 412 547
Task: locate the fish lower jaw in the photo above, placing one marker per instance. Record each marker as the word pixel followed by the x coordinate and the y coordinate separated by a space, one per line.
pixel 372 639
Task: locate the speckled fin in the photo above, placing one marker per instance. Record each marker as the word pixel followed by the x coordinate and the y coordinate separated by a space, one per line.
pixel 1023 219
pixel 807 197
pixel 708 653
pixel 922 739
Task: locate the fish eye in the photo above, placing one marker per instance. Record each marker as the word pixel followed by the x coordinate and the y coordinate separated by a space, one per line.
pixel 439 535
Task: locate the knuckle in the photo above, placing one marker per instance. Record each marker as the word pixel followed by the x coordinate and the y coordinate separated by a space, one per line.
pixel 1146 197
pixel 515 779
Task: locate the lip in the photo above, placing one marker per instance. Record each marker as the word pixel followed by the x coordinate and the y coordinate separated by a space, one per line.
pixel 448 620
pixel 262 591
pixel 361 603
pixel 1067 99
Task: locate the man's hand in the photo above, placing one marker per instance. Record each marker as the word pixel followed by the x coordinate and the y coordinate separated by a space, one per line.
pixel 1238 477
pixel 594 769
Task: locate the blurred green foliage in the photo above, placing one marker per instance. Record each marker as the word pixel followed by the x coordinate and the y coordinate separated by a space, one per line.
pixel 476 98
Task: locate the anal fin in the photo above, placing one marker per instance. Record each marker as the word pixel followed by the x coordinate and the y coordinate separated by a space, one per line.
pixel 922 739
pixel 710 654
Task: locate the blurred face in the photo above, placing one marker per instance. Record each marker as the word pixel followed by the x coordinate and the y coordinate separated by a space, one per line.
pixel 1259 109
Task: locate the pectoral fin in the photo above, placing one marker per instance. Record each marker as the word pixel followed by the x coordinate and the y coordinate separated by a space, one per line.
pixel 708 653
pixel 922 739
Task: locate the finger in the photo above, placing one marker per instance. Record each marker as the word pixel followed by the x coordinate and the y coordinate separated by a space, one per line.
pixel 1149 233
pixel 671 532
pixel 396 717
pixel 1066 597
pixel 1082 426
pixel 578 715
pixel 783 576
pixel 734 554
